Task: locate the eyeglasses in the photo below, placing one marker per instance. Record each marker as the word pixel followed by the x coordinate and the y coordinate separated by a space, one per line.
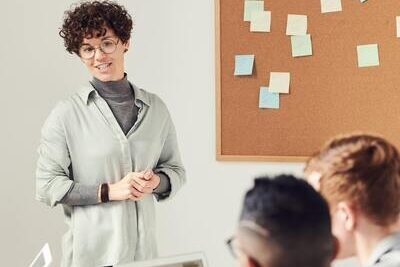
pixel 248 225
pixel 232 248
pixel 107 46
pixel 236 251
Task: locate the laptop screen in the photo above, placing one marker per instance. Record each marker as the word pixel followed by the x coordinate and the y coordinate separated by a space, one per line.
pixel 43 258
pixel 186 260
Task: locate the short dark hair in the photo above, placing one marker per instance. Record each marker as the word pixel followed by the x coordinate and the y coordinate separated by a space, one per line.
pixel 296 218
pixel 90 18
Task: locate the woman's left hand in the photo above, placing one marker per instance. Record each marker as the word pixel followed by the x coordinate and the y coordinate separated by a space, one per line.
pixel 146 182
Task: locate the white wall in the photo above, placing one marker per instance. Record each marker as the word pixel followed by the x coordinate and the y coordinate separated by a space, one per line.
pixel 172 54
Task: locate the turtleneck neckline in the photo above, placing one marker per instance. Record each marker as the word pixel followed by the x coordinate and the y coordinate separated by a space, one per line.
pixel 120 89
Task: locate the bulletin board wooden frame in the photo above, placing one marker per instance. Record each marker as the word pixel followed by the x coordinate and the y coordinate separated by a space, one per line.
pixel 329 93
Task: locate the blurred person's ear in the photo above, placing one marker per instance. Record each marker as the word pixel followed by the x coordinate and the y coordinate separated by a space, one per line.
pixel 314 180
pixel 126 45
pixel 344 222
pixel 347 215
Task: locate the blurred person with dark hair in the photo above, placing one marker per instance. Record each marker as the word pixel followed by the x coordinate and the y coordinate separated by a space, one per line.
pixel 108 150
pixel 284 223
pixel 359 175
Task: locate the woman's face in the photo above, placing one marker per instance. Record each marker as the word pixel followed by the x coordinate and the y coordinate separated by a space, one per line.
pixel 103 66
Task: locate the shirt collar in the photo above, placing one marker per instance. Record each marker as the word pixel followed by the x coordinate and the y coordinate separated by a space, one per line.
pixel 86 93
pixel 384 246
pixel 140 94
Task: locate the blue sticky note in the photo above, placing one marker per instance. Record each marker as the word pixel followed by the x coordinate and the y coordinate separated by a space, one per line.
pixel 368 55
pixel 268 99
pixel 301 45
pixel 244 64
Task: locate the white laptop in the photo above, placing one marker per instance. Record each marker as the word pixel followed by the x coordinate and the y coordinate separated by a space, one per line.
pixel 186 260
pixel 43 258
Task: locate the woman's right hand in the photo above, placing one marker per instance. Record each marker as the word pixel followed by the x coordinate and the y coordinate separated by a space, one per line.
pixel 123 189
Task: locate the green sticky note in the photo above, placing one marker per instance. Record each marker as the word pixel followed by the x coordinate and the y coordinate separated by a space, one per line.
pixel 368 55
pixel 260 21
pixel 244 64
pixel 268 99
pixel 301 45
pixel 250 7
pixel 296 24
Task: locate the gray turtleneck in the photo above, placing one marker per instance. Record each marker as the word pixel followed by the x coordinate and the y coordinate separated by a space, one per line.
pixel 120 97
pixel 121 100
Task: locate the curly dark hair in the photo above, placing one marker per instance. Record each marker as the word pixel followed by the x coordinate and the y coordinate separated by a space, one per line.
pixel 90 18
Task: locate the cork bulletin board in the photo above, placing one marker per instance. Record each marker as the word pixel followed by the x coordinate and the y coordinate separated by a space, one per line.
pixel 329 93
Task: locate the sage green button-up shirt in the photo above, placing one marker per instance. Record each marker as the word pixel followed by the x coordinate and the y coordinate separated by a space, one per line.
pixel 82 142
pixel 386 253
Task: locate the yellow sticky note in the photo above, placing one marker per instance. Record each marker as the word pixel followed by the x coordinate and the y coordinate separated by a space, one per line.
pixel 398 26
pixel 279 82
pixel 331 6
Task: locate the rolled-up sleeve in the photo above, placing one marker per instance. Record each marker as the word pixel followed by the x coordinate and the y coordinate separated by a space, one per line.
pixel 170 163
pixel 52 174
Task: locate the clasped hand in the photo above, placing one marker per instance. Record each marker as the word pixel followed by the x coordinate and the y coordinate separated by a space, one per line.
pixel 134 186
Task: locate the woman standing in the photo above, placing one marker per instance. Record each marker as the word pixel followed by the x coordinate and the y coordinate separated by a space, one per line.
pixel 109 149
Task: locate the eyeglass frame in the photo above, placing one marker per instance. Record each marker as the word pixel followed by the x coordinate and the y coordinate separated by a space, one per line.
pixel 229 244
pixel 99 47
pixel 250 225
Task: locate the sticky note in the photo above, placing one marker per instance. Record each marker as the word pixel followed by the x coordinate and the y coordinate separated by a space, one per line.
pixel 244 64
pixel 250 7
pixel 279 82
pixel 368 55
pixel 268 99
pixel 331 6
pixel 260 21
pixel 296 25
pixel 301 45
pixel 398 26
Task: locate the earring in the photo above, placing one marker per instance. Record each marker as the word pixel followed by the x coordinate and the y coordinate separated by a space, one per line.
pixel 126 50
